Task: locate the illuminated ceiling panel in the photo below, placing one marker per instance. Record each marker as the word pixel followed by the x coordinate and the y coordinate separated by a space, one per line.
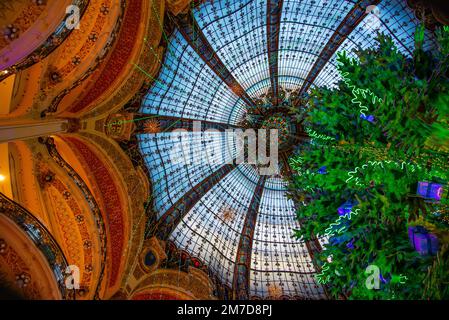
pixel 239 38
pixel 280 264
pixel 306 27
pixel 211 230
pixel 179 161
pixel 188 88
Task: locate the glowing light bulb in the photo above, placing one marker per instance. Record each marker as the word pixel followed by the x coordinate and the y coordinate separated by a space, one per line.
pixel 2 178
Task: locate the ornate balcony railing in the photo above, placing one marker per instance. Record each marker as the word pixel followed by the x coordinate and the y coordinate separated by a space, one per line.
pixel 40 236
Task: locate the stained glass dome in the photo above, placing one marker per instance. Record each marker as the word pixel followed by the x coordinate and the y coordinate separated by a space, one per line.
pixel 224 59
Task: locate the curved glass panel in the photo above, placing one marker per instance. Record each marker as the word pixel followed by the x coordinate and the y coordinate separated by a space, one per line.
pixel 178 161
pixel 306 28
pixel 211 230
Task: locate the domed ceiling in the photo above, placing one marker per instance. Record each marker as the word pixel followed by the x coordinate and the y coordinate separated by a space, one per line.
pixel 227 61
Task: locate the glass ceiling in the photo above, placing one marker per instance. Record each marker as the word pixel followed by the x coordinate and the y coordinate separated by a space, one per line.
pixel 188 88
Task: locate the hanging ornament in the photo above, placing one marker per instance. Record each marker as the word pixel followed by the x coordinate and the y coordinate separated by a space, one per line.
pixel 152 126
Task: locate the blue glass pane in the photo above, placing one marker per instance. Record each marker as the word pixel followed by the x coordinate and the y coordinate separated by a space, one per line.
pixel 306 28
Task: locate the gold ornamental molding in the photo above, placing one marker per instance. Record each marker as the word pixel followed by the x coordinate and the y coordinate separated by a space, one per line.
pixel 176 7
pixel 174 284
pixel 145 64
pixel 82 54
pixel 94 210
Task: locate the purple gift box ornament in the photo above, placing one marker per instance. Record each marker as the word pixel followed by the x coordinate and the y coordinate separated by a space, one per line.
pixel 430 190
pixel 423 241
pixel 369 118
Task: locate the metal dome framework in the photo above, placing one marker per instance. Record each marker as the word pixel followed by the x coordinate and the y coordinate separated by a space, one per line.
pixel 221 58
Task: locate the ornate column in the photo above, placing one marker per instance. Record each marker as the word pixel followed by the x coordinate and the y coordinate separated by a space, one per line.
pixel 243 260
pixel 34 129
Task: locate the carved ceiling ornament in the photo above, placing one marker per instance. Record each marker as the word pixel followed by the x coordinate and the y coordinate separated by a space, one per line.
pixel 16 273
pixel 22 23
pixel 72 45
pixel 147 64
pixel 89 223
pixel 111 75
pixel 45 34
pixel 113 179
pixel 432 12
pixel 151 257
pixel 135 183
pixel 176 7
pixel 73 229
pixel 70 54
pixel 71 221
pixel 113 207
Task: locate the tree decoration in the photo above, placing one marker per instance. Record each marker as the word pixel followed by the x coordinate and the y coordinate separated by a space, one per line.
pixel 430 190
pixel 361 96
pixel 228 214
pixel 424 242
pixel 314 135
